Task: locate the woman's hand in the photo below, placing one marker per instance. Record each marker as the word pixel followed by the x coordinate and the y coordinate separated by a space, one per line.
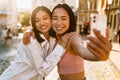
pixel 100 46
pixel 26 37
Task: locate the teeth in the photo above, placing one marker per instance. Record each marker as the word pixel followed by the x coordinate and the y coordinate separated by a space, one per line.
pixel 43 27
pixel 59 28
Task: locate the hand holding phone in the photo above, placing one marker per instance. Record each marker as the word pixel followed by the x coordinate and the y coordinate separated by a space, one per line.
pixel 98 21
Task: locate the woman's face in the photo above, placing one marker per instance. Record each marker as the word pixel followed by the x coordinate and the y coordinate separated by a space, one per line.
pixel 42 21
pixel 60 21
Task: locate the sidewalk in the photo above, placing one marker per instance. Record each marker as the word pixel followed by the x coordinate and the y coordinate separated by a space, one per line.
pixel 115 55
pixel 105 70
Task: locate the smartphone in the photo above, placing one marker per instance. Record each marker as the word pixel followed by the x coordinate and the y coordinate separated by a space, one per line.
pixel 98 21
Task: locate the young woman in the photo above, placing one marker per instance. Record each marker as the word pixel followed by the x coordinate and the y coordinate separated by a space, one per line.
pixel 33 61
pixel 71 66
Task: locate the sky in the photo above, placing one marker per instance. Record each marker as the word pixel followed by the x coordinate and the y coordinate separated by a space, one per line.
pixel 24 4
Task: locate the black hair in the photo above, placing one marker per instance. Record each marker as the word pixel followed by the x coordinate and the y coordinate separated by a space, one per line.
pixel 68 9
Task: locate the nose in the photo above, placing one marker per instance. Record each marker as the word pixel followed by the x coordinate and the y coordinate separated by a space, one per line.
pixel 41 22
pixel 58 22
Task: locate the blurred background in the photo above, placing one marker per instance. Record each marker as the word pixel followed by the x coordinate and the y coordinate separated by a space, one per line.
pixel 16 13
pixel 15 19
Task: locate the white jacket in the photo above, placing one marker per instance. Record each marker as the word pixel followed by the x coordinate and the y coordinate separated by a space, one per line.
pixel 30 64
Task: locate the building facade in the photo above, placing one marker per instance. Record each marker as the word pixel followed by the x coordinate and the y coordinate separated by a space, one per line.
pixel 3 14
pixel 87 7
pixel 114 17
pixel 8 13
pixel 12 14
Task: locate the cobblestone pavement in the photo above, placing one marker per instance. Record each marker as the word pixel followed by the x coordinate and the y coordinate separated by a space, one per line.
pixel 94 70
pixel 101 71
pixel 105 70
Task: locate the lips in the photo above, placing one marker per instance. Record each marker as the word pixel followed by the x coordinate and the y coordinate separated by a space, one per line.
pixel 43 27
pixel 59 28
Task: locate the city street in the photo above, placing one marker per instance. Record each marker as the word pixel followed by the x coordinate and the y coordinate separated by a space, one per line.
pixel 93 70
pixel 18 16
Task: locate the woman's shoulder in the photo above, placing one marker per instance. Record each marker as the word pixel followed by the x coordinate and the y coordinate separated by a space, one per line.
pixel 73 34
pixel 75 37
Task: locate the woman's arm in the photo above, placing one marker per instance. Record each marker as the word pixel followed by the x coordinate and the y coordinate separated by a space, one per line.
pixel 100 50
pixel 20 67
pixel 29 62
pixel 45 66
pixel 52 60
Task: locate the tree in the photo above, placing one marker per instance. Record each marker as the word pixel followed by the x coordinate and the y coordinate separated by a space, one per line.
pixel 24 18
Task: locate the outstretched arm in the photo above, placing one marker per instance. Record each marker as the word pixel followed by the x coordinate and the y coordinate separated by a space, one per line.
pixel 98 48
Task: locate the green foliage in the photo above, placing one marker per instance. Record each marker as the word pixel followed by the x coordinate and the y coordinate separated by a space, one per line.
pixel 24 18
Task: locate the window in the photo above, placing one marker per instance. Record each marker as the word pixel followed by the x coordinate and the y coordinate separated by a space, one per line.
pixel 116 2
pixel 111 21
pixel 114 22
pixel 95 5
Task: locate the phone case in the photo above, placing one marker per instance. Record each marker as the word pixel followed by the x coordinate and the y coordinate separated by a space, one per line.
pixel 98 21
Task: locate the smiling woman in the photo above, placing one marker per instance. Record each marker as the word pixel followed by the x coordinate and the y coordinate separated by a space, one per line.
pixel 24 4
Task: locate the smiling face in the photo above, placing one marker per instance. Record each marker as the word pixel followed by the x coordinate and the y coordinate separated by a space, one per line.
pixel 42 21
pixel 60 21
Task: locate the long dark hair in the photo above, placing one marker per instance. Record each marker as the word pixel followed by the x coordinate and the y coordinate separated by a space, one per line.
pixel 68 9
pixel 37 33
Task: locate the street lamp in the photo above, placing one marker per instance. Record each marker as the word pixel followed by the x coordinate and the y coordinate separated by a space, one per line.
pixel 109 3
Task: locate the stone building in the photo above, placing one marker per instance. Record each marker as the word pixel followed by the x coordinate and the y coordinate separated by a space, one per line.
pixel 12 13
pixel 86 7
pixel 3 14
pixel 8 13
pixel 113 11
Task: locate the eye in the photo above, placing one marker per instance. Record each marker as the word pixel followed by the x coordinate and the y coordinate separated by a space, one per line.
pixel 54 18
pixel 45 18
pixel 64 19
pixel 37 20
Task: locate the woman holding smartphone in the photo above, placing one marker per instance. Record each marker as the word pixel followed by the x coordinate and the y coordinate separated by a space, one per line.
pixel 71 66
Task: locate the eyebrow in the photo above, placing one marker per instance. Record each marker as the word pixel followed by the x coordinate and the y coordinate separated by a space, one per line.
pixel 43 16
pixel 62 16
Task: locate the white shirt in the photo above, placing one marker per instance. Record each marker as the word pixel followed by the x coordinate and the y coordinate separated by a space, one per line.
pixel 30 64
